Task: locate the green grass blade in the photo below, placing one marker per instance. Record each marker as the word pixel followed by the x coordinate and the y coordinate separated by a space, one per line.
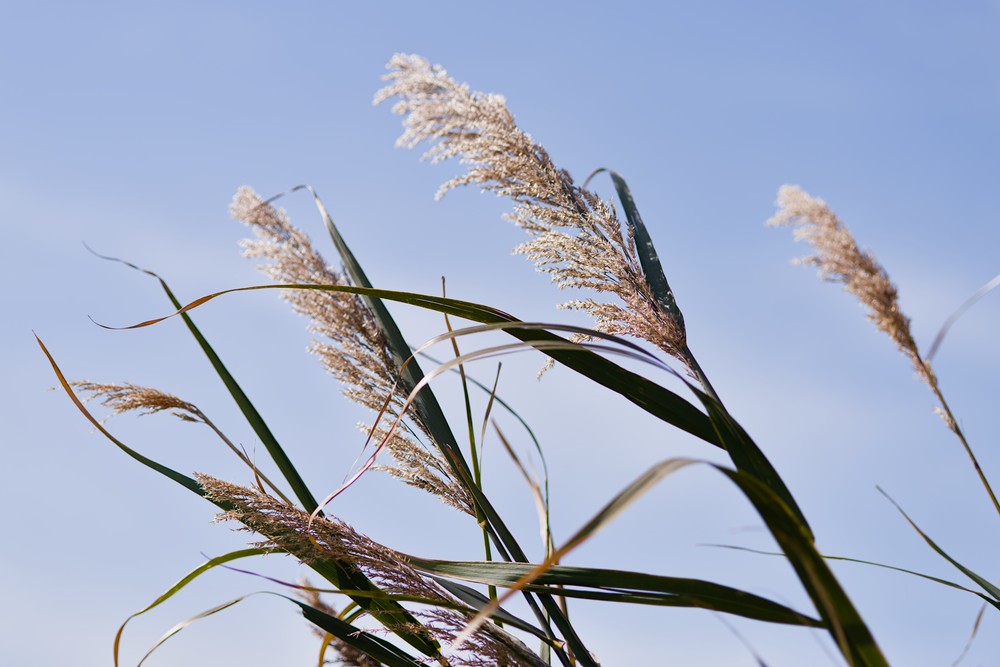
pixel 185 623
pixel 983 582
pixel 187 579
pixel 648 258
pixel 748 457
pixel 845 559
pixel 250 412
pixel 651 397
pixel 477 601
pixel 954 317
pixel 842 620
pixel 340 575
pixel 411 374
pixel 187 482
pixel 375 647
pixel 624 586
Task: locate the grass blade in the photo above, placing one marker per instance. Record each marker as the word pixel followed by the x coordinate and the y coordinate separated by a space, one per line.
pixel 954 317
pixel 477 601
pixel 937 580
pixel 185 623
pixel 372 645
pixel 253 417
pixel 984 583
pixel 187 579
pixel 748 457
pixel 651 397
pixel 187 482
pixel 841 618
pixel 649 260
pixel 375 647
pixel 340 575
pixel 624 586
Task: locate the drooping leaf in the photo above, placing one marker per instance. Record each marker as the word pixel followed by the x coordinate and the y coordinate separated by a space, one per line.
pixel 477 601
pixel 341 575
pixel 623 586
pixel 983 582
pixel 187 579
pixel 842 620
pixel 250 413
pixel 651 397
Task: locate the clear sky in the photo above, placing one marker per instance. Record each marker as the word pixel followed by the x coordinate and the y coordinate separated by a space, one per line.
pixel 130 125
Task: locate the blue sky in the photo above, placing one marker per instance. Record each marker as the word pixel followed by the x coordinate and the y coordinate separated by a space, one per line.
pixel 130 125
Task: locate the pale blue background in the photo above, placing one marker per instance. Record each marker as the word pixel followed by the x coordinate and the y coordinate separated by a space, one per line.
pixel 130 125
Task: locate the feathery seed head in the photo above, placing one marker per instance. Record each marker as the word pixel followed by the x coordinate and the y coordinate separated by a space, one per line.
pixel 127 397
pixel 292 530
pixel 839 259
pixel 352 348
pixel 577 237
pixel 422 468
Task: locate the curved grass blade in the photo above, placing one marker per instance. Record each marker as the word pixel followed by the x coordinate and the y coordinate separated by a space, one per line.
pixel 651 397
pixel 842 620
pixel 340 575
pixel 748 457
pixel 968 303
pixel 984 583
pixel 477 601
pixel 185 623
pixel 185 481
pixel 611 510
pixel 937 580
pixel 624 586
pixel 972 637
pixel 191 576
pixel 648 258
pixel 256 422
pixel 324 645
pixel 375 647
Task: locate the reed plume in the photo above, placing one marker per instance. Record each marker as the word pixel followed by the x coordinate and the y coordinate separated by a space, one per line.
pixel 576 236
pixel 127 397
pixel 316 539
pixel 353 347
pixel 839 259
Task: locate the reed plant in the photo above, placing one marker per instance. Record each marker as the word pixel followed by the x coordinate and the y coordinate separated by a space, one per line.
pixel 374 605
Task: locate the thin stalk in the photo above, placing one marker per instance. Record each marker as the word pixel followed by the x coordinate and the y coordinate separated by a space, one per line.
pixel 243 457
pixel 477 474
pixel 699 373
pixel 956 429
